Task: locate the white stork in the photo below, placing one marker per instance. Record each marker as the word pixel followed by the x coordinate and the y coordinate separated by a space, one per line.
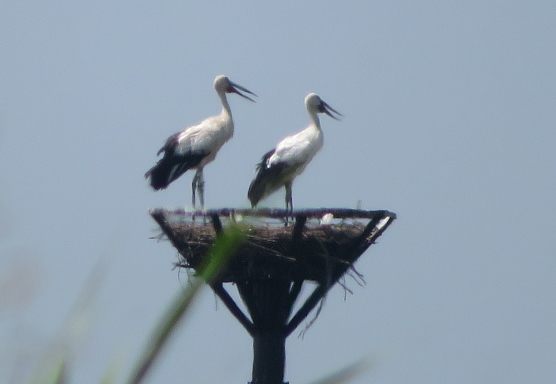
pixel 196 146
pixel 280 166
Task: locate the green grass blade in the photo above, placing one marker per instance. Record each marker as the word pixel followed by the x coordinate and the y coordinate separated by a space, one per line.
pixel 111 372
pixel 345 374
pixel 56 361
pixel 57 373
pixel 223 248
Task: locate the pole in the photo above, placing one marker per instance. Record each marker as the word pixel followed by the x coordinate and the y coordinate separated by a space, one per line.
pixel 269 358
pixel 269 304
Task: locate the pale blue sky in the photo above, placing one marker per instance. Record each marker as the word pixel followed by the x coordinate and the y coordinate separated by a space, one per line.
pixel 449 121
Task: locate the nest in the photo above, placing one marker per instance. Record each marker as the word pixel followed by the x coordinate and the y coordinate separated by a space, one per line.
pixel 318 245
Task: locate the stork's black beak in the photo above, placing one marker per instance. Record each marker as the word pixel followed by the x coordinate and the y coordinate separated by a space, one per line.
pixel 236 88
pixel 325 108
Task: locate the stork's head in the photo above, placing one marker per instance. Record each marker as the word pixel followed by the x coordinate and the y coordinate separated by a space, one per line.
pixel 315 105
pixel 224 85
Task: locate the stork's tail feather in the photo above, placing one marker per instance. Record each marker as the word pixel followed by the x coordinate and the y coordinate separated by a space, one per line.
pixel 159 177
pixel 256 192
pixel 169 169
pixel 267 181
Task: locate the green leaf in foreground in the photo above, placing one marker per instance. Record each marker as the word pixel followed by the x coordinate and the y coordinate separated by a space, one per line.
pixel 223 248
pixel 57 360
pixel 345 374
pixel 57 374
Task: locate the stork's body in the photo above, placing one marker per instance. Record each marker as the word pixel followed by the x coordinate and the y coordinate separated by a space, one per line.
pixel 196 146
pixel 280 166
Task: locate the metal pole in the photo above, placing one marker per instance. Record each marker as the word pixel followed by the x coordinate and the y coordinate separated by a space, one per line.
pixel 269 358
pixel 269 304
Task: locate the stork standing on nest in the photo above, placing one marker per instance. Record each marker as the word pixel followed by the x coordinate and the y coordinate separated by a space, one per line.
pixel 280 166
pixel 196 146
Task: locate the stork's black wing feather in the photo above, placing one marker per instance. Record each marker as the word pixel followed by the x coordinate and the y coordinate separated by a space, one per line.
pixel 264 160
pixel 172 166
pixel 267 180
pixel 170 144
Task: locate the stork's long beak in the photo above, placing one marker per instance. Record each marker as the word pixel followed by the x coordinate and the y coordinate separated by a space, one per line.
pixel 329 111
pixel 236 88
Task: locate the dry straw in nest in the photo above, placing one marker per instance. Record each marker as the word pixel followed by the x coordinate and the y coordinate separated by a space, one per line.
pixel 305 250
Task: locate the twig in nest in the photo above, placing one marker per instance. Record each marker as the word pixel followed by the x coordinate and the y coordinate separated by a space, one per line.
pixel 342 284
pixel 312 321
pixel 356 276
pixel 160 237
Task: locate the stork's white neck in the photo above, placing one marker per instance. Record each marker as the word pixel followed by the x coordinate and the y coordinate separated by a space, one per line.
pixel 226 111
pixel 314 118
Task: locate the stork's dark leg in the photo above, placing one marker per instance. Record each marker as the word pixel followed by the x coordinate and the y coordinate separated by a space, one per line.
pixel 201 187
pixel 194 184
pixel 289 201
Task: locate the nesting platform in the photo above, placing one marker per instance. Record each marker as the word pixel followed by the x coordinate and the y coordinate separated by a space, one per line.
pixel 317 244
pixel 280 251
